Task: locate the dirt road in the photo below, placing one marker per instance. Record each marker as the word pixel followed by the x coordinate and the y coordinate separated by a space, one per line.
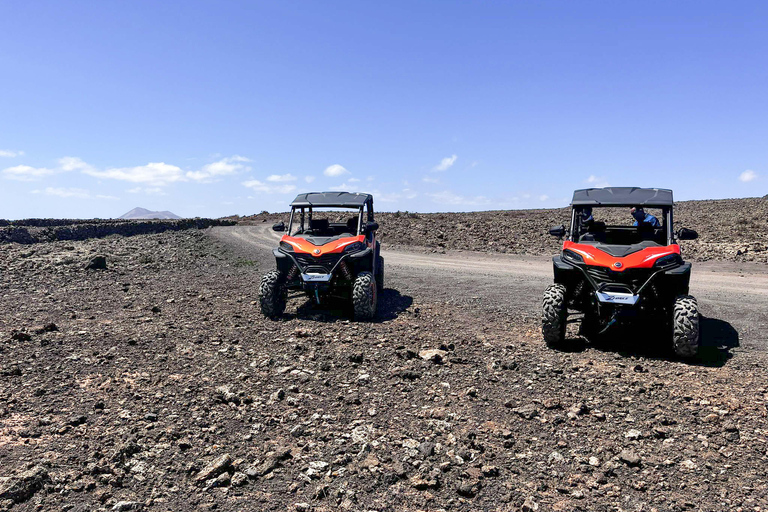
pixel 732 296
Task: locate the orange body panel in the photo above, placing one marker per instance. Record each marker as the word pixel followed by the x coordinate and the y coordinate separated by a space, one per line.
pixel 641 259
pixel 335 247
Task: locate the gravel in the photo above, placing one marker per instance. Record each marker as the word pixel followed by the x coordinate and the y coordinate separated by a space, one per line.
pixel 204 404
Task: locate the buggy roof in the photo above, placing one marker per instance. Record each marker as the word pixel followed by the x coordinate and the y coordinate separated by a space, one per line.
pixel 344 199
pixel 622 196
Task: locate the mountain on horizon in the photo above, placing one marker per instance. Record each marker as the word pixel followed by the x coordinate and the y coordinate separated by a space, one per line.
pixel 143 214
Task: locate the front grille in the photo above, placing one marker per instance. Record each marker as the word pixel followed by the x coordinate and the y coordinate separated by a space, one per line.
pixel 326 261
pixel 634 278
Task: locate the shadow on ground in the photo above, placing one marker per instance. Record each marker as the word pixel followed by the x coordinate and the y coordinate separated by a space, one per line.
pixel 391 304
pixel 718 338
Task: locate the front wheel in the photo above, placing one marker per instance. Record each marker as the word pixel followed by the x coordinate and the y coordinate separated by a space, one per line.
pixel 554 315
pixel 272 294
pixel 364 296
pixel 685 326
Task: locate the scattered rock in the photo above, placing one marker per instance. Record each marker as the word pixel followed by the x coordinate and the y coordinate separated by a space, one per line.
pixel 529 505
pixel 125 506
pixel 527 412
pixel 20 336
pixel 215 468
pixel 97 263
pixel 434 355
pixel 20 488
pixel 630 458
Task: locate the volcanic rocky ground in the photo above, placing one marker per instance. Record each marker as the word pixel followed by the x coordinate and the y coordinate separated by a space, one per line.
pixel 156 384
pixel 729 229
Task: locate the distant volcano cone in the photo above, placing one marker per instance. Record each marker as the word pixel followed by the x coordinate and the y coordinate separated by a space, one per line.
pixel 143 213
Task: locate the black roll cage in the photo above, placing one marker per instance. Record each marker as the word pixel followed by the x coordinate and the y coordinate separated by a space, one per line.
pixel 666 219
pixel 306 213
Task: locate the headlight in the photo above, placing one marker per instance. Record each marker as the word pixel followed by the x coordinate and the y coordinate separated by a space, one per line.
pixel 572 256
pixel 286 246
pixel 670 259
pixel 354 247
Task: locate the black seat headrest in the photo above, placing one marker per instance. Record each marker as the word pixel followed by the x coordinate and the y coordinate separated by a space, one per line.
pixel 319 224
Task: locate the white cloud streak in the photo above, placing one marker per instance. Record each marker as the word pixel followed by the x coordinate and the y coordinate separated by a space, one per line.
pixel 74 193
pixel 445 163
pixel 747 176
pixel 335 170
pixel 27 173
pixel 597 182
pixel 259 186
pixel 7 153
pixel 281 178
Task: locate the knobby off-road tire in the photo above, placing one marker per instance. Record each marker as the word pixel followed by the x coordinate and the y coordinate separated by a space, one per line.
pixel 272 294
pixel 380 273
pixel 554 315
pixel 685 326
pixel 364 296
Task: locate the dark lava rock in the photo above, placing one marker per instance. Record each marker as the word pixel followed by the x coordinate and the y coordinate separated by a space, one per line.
pixel 22 487
pixel 20 336
pixel 97 263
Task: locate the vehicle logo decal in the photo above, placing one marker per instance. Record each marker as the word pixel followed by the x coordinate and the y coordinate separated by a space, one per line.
pixel 316 251
pixel 617 264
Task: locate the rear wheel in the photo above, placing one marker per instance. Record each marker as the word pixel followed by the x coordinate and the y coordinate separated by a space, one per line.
pixel 380 273
pixel 685 326
pixel 554 315
pixel 364 296
pixel 272 294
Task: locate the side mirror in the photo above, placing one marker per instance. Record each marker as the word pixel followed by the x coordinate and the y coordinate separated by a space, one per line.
pixel 687 234
pixel 558 231
pixel 279 227
pixel 370 227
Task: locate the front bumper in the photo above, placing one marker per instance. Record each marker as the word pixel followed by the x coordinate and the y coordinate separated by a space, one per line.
pixel 319 272
pixel 626 299
pixel 623 289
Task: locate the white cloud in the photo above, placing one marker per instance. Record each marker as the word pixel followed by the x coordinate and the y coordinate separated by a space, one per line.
pixel 428 179
pixel 445 163
pixel 747 176
pixel 259 186
pixel 597 182
pixel 370 178
pixel 10 154
pixel 150 191
pixel 72 163
pixel 353 180
pixel 77 193
pixel 27 173
pixel 223 167
pixel 335 170
pixel 447 197
pixel 543 197
pixel 281 178
pixel 309 179
pixel 160 174
pixel 156 174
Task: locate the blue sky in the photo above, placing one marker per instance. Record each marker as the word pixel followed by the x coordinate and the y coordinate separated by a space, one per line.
pixel 222 107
